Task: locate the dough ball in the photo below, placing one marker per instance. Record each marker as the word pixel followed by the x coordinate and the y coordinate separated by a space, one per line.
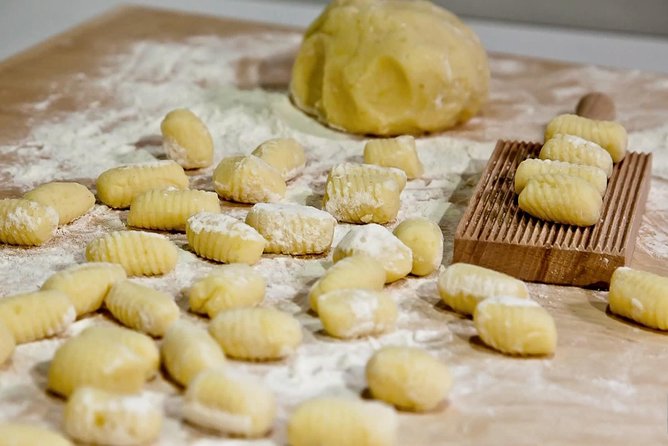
pixel 389 67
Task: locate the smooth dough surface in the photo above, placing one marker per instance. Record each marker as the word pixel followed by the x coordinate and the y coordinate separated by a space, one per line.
pixel 389 67
pixel 26 222
pixel 350 313
pixel 425 239
pixel 640 296
pixel 7 343
pixel 34 316
pixel 70 200
pixel 399 152
pixel 284 154
pixel 248 179
pixel 21 434
pixel 229 286
pixel 186 139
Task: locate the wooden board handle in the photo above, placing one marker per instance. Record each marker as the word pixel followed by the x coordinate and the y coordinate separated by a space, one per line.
pixel 596 105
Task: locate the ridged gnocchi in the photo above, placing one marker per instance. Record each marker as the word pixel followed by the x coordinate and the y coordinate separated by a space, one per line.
pixel 532 168
pixel 515 326
pixel 33 316
pixel 380 244
pixel 575 150
pixel 70 200
pixel 284 154
pixel 186 350
pixel 292 228
pixel 139 253
pixel 26 222
pixel 97 416
pixel 117 187
pixel 20 434
pixel 610 135
pixel 363 193
pixel 142 308
pixel 640 296
pixel 186 139
pixel 425 240
pixel 256 334
pixel 337 421
pixel 86 285
pixel 168 209
pixel 357 271
pixel 248 179
pixel 562 199
pixel 408 378
pixel 7 343
pixel 399 152
pixel 224 239
pixel 351 313
pixel 463 286
pixel 230 286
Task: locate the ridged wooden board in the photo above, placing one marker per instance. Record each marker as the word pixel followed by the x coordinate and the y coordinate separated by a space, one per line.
pixel 495 233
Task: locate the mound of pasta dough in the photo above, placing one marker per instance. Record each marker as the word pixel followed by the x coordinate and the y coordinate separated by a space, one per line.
pixel 389 67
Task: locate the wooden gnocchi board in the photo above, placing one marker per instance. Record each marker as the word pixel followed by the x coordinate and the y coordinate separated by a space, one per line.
pixel 605 385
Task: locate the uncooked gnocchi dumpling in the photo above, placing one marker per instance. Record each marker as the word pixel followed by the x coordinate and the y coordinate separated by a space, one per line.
pixel 168 209
pixel 575 150
pixel 187 350
pixel 186 139
pixel 425 239
pixel 562 199
pixel 640 296
pixel 408 378
pixel 86 285
pixel 20 434
pixel 7 343
pixel 380 244
pixel 142 308
pixel 224 239
pixel 515 326
pixel 397 152
pixel 117 187
pixel 230 286
pixel 284 154
pixel 357 271
pixel 139 253
pixel 292 228
pixel 531 168
pixel 462 286
pixel 363 193
pixel 33 316
pixel 337 421
pixel 26 222
pixel 351 313
pixel 608 134
pixel 256 334
pixel 70 200
pixel 248 179
pixel 230 402
pixel 96 416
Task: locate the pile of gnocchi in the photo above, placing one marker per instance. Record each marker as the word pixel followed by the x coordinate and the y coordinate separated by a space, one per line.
pixel 101 372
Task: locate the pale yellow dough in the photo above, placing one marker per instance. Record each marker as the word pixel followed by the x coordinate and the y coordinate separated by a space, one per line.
pixel 26 222
pixel 7 343
pixel 21 434
pixel 229 286
pixel 34 316
pixel 531 168
pixel 397 152
pixel 70 200
pixel 248 179
pixel 640 296
pixel 425 239
pixel 284 154
pixel 168 209
pixel 610 135
pixel 390 67
pixel 576 150
pixel 186 139
pixel 351 313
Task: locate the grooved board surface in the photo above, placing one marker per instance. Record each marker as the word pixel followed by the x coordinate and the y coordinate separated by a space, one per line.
pixel 495 233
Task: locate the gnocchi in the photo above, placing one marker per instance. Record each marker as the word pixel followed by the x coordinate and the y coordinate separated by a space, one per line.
pixel 97 416
pixel 86 285
pixel 186 139
pixel 462 286
pixel 408 378
pixel 224 239
pixel 142 308
pixel 515 326
pixel 640 296
pixel 292 228
pixel 284 154
pixel 26 222
pixel 20 434
pixel 7 343
pixel 168 209
pixel 532 168
pixel 117 187
pixel 139 253
pixel 363 193
pixel 33 316
pixel 351 313
pixel 562 199
pixel 187 350
pixel 248 179
pixel 575 150
pixel 230 286
pixel 399 152
pixel 610 135
pixel 380 244
pixel 70 200
pixel 256 334
pixel 425 240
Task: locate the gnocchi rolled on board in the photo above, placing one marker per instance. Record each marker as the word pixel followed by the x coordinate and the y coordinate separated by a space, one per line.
pixel 351 313
pixel 284 154
pixel 34 316
pixel 186 139
pixel 169 209
pixel 248 179
pixel 26 222
pixel 399 152
pixel 425 239
pixel 532 168
pixel 7 343
pixel 23 434
pixel 70 200
pixel 640 296
pixel 575 150
pixel 610 135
